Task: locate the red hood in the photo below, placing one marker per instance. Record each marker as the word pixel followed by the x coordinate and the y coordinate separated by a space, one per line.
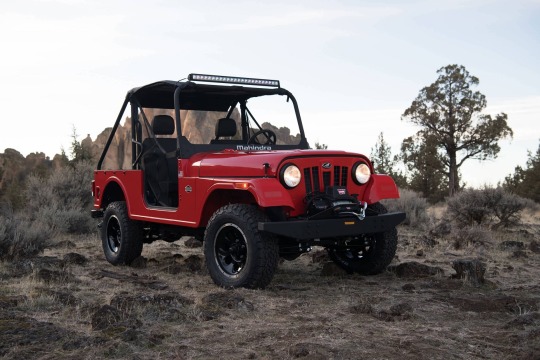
pixel 233 163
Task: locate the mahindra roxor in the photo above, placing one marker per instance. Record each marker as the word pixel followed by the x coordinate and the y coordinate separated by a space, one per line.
pixel 226 160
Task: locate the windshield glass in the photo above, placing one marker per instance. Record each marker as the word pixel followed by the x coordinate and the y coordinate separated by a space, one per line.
pixel 276 114
pixel 271 113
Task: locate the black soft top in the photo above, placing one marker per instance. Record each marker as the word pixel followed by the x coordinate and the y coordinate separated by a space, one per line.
pixel 194 96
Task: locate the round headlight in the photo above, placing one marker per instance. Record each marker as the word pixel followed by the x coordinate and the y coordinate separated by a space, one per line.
pixel 290 176
pixel 361 173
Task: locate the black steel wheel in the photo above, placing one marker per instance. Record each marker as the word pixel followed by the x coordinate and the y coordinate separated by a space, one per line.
pixel 114 234
pixel 121 237
pixel 367 254
pixel 236 253
pixel 230 249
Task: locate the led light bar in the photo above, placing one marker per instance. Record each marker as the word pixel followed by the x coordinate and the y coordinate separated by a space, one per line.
pixel 233 80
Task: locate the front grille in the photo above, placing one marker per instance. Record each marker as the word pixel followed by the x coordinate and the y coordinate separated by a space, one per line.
pixel 311 179
pixel 340 175
pixel 326 179
pixel 336 177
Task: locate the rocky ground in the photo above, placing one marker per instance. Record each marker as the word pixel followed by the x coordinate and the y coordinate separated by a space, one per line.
pixel 70 303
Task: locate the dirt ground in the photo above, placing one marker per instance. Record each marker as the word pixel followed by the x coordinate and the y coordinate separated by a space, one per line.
pixel 70 303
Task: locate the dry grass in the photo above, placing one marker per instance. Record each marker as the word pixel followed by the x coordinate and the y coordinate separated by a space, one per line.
pixel 169 311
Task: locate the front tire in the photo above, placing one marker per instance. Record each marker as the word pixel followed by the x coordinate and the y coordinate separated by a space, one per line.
pixel 237 253
pixel 368 254
pixel 121 237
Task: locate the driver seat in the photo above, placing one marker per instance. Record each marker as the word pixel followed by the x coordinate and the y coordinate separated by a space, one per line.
pixel 225 127
pixel 160 170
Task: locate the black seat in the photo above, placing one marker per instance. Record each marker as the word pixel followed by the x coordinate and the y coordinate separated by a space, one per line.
pixel 160 165
pixel 225 127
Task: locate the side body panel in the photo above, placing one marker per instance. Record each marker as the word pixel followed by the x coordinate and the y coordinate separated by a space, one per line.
pixel 208 181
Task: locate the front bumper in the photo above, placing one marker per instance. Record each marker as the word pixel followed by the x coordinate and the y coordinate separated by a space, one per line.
pixel 332 228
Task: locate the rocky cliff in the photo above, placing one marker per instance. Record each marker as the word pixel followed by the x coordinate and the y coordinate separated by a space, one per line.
pixel 15 168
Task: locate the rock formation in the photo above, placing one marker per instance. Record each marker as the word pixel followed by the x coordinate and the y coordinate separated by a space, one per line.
pixel 15 168
pixel 198 128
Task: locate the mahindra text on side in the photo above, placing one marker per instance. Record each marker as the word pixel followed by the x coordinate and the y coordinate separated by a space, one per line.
pixel 226 160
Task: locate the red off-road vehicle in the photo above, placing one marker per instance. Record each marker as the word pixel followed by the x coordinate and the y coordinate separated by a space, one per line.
pixel 225 159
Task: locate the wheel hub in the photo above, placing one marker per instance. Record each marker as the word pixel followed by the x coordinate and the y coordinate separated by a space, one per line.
pixel 230 249
pixel 114 234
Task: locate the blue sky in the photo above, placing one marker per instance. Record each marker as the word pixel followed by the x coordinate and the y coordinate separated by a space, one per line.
pixel 354 66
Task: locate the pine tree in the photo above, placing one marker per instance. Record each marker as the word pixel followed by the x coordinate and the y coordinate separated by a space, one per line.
pixel 385 163
pixel 449 114
pixel 526 182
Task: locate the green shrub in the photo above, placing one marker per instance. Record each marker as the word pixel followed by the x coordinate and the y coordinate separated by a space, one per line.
pixel 62 200
pixel 413 204
pixel 470 235
pixel 487 206
pixel 20 237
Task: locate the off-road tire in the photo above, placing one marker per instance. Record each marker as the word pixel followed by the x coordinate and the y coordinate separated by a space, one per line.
pixel 382 250
pixel 237 254
pixel 121 237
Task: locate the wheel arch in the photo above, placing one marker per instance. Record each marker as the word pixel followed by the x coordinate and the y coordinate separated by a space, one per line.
pixel 221 197
pixel 113 192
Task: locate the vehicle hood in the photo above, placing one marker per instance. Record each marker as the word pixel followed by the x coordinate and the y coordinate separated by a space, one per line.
pixel 238 164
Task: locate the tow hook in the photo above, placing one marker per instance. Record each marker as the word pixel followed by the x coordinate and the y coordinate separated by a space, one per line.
pixel 362 214
pixel 100 224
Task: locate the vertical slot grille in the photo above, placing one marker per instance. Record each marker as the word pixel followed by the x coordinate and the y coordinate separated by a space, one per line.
pixel 340 175
pixel 344 173
pixel 316 181
pixel 337 172
pixel 326 179
pixel 312 178
pixel 307 179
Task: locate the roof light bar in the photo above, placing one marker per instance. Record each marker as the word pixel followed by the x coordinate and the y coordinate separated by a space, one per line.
pixel 233 80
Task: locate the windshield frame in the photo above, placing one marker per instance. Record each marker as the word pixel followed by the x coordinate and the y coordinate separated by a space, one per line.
pixel 234 94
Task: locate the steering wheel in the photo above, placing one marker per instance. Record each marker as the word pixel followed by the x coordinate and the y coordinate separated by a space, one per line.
pixel 269 134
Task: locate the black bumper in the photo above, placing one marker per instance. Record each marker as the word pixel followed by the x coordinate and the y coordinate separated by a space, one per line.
pixel 331 228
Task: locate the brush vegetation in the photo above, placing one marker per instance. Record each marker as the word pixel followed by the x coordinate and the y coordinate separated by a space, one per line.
pixel 60 299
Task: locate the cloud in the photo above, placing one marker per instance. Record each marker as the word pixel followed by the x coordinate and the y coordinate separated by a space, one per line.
pixel 285 16
pixel 300 17
pixel 523 116
pixel 81 43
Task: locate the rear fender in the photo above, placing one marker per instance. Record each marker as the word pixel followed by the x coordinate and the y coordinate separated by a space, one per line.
pixel 114 191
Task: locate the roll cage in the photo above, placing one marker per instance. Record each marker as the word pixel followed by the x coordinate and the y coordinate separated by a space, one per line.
pixel 190 95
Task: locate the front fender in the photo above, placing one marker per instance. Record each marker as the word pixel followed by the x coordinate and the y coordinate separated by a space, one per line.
pixel 267 192
pixel 381 187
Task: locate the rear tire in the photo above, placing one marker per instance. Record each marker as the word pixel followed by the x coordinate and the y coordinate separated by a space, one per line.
pixel 121 237
pixel 372 253
pixel 237 253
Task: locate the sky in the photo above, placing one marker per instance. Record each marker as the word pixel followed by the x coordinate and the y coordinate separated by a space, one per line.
pixel 353 66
